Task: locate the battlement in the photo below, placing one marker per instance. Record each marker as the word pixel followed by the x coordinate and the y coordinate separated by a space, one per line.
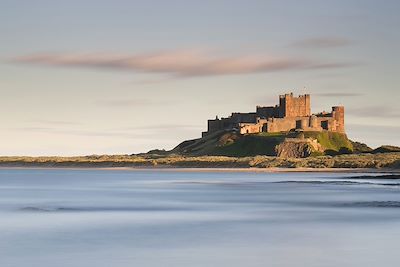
pixel 290 95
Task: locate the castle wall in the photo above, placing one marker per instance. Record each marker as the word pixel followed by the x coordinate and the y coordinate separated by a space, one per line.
pixel 326 123
pixel 250 128
pixel 310 123
pixel 219 124
pixel 244 117
pixel 280 124
pixel 213 125
pixel 267 112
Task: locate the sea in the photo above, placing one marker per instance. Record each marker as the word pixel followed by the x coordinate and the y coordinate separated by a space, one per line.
pixel 122 217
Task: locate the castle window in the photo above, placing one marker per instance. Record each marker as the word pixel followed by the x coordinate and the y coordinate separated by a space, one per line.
pixel 324 125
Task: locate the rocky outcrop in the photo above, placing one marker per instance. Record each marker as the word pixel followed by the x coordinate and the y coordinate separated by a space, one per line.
pixel 298 147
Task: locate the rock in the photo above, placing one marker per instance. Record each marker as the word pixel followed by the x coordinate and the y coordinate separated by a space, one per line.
pixel 298 147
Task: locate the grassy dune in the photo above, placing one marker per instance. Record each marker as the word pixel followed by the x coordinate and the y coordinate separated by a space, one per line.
pixel 235 145
pixel 379 160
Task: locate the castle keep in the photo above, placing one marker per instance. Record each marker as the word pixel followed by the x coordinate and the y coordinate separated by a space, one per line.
pixel 292 113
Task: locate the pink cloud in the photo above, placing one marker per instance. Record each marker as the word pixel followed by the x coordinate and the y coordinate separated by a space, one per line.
pixel 323 42
pixel 177 63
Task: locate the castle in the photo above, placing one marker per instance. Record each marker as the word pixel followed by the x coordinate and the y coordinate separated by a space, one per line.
pixel 292 113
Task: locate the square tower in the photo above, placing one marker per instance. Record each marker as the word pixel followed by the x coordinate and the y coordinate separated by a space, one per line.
pixel 290 106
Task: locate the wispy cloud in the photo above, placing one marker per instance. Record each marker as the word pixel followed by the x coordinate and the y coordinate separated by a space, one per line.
pixel 394 129
pixel 322 42
pixel 168 127
pixel 137 102
pixel 88 133
pixel 337 94
pixel 141 132
pixel 56 122
pixel 378 111
pixel 179 63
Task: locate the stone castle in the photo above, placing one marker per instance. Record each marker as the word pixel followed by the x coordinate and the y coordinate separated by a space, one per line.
pixel 292 113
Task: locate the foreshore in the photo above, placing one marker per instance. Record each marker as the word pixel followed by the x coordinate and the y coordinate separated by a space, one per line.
pixel 382 162
pixel 248 170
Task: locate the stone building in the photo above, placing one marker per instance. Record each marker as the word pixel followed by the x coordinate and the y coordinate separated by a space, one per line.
pixel 292 113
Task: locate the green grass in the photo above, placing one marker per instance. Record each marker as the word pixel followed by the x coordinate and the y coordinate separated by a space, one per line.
pixel 276 134
pixel 359 147
pixel 331 141
pixel 386 149
pixel 250 145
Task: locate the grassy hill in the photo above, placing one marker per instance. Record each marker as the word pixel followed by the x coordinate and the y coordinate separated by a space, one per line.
pixel 232 144
pixel 386 149
pixel 359 147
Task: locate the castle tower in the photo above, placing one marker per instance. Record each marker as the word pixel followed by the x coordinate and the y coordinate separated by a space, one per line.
pixel 338 115
pixel 290 106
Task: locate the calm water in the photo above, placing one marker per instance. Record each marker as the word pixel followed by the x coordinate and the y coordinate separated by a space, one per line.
pixel 174 218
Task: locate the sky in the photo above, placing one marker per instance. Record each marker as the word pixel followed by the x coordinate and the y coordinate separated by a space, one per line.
pixel 121 77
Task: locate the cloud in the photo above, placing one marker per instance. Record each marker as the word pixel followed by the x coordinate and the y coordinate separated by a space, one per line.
pixel 338 94
pixel 322 42
pixel 56 122
pixel 148 132
pixel 378 111
pixel 128 102
pixel 33 129
pixel 87 133
pixel 178 63
pixel 153 81
pixel 371 128
pixel 168 127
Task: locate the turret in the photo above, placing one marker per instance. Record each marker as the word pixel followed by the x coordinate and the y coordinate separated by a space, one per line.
pixel 338 114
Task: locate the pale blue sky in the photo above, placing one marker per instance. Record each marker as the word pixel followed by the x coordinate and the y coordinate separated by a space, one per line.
pixel 94 77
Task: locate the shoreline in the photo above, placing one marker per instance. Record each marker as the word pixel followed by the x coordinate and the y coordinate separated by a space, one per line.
pixel 210 169
pixel 381 162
